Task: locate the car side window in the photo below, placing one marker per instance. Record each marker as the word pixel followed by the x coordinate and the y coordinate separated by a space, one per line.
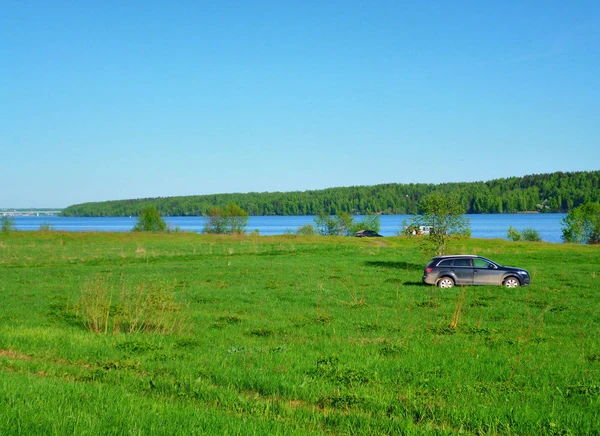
pixel 480 263
pixel 462 262
pixel 445 263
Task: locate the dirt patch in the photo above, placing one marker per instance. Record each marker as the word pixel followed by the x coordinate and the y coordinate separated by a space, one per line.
pixel 378 243
pixel 294 404
pixel 14 355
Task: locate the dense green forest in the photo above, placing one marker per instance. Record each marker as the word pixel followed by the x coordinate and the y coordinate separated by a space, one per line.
pixel 555 192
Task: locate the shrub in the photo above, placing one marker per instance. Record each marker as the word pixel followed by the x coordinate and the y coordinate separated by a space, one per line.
pixel 333 225
pixel 531 235
pixel 231 220
pixel 513 234
pixel 343 224
pixel 369 222
pixel 582 224
pixel 306 230
pixel 528 234
pixel 150 220
pixel 8 223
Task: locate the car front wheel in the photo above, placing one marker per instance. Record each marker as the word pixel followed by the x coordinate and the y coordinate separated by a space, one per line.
pixel 445 283
pixel 512 282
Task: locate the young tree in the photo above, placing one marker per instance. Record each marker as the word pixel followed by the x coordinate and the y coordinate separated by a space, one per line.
pixel 369 222
pixel 216 223
pixel 236 219
pixel 333 225
pixel 513 234
pixel 444 216
pixel 8 223
pixel 326 224
pixel 231 220
pixel 150 220
pixel 582 224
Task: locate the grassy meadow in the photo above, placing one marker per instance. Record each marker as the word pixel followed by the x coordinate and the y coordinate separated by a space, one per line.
pixel 122 333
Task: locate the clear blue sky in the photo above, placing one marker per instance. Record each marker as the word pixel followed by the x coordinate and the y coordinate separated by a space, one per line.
pixel 106 100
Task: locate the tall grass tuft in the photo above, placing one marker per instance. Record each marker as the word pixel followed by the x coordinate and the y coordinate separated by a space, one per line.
pixel 145 307
pixel 95 303
pixel 457 311
pixel 46 227
pixel 150 308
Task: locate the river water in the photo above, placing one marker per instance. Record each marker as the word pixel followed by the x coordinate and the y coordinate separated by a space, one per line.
pixel 482 226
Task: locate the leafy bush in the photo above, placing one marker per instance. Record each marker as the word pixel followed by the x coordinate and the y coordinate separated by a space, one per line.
pixel 582 224
pixel 369 222
pixel 231 220
pixel 528 234
pixel 344 225
pixel 333 225
pixel 8 223
pixel 531 235
pixel 150 220
pixel 306 230
pixel 513 234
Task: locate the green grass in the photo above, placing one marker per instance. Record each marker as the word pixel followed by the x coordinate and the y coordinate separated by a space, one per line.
pixel 296 335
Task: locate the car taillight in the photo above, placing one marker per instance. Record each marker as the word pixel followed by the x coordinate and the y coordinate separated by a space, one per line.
pixel 428 270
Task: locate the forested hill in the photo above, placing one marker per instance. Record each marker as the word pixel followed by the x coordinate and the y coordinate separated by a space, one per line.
pixel 556 192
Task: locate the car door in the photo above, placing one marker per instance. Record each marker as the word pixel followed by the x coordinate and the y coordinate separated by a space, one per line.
pixel 463 270
pixel 485 273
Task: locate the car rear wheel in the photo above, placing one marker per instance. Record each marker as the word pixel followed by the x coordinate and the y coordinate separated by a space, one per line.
pixel 445 283
pixel 512 282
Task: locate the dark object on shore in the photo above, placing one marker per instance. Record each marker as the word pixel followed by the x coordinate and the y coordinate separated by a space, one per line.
pixel 367 234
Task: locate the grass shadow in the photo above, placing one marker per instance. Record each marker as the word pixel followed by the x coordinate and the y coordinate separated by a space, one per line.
pixel 395 265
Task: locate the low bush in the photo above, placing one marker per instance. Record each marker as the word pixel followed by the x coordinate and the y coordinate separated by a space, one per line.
pixel 513 234
pixel 531 235
pixel 528 234
pixel 150 220
pixel 306 230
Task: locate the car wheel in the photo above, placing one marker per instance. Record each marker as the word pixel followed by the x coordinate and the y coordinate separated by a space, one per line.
pixel 512 282
pixel 445 283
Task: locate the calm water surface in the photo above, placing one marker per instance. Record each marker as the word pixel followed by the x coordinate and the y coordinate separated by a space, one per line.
pixel 482 226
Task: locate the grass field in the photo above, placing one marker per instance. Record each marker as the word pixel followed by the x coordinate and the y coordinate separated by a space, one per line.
pixel 192 334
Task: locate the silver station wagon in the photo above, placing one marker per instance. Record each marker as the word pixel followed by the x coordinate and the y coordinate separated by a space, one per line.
pixel 448 271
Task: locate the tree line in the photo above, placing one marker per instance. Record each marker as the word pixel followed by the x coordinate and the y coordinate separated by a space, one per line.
pixel 553 192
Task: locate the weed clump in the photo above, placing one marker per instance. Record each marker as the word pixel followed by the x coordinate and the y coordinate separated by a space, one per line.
pixel 143 308
pixel 329 368
pixel 339 401
pixel 390 349
pixel 594 358
pixel 223 321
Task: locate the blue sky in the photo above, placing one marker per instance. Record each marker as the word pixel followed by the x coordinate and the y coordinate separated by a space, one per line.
pixel 106 100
